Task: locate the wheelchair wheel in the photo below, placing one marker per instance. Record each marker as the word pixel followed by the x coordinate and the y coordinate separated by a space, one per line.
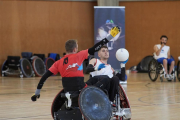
pixel 161 79
pixel 153 70
pixel 4 68
pixel 26 67
pixel 94 104
pixel 57 103
pixel 49 62
pixel 178 70
pixel 38 66
pixel 124 101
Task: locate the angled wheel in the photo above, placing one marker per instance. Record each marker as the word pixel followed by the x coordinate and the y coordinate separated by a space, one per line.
pixel 94 104
pixel 124 102
pixel 153 70
pixel 57 103
pixel 161 79
pixel 26 67
pixel 49 62
pixel 4 68
pixel 38 66
pixel 178 70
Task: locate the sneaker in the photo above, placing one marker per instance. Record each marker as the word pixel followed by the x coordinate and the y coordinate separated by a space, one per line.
pixel 123 82
pixel 170 77
pixel 167 76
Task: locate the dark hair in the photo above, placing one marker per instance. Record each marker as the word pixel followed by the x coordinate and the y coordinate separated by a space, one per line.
pixel 64 54
pixel 163 36
pixel 103 47
pixel 70 45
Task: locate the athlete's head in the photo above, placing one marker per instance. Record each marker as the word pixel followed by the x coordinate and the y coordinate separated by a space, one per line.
pixel 71 46
pixel 163 39
pixel 103 53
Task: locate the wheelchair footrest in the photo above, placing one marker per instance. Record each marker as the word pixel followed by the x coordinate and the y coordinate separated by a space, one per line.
pixel 64 114
pixel 125 112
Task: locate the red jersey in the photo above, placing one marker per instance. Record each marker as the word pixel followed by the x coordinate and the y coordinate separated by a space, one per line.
pixel 70 65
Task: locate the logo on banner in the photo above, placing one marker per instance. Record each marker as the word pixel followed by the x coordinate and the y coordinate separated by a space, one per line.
pixel 104 31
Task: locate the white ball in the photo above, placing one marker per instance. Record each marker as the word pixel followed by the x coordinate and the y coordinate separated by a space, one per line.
pixel 179 58
pixel 122 55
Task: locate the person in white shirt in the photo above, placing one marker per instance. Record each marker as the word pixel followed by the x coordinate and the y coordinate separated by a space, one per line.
pixel 102 72
pixel 163 56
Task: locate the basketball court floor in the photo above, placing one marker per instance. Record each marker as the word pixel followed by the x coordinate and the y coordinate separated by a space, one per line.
pixel 148 100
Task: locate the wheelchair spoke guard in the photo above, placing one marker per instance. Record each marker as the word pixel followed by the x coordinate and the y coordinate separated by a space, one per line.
pixel 94 104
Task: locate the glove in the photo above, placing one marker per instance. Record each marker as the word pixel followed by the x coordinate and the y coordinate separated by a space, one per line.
pixel 114 31
pixel 34 97
pixel 100 66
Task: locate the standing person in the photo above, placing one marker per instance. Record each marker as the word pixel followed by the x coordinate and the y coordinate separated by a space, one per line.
pixel 70 66
pixel 163 56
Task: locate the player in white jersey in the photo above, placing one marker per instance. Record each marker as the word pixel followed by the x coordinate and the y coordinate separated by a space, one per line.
pixel 162 54
pixel 102 72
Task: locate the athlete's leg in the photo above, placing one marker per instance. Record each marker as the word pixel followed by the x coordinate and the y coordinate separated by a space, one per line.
pixel 171 63
pixel 100 81
pixel 113 90
pixel 164 62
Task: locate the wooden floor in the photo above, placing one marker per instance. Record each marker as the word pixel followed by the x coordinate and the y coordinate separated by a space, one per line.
pixel 148 100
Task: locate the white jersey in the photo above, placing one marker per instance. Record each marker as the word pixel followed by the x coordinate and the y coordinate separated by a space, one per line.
pixel 104 71
pixel 163 53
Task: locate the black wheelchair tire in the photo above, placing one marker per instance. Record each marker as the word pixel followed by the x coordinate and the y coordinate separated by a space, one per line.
pixel 24 69
pixel 178 70
pixel 4 65
pixel 41 68
pixel 149 70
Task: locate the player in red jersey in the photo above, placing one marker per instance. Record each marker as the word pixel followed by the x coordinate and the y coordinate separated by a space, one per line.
pixel 70 66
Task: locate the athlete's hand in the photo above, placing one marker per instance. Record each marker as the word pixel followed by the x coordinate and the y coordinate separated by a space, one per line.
pixel 100 66
pixel 115 30
pixel 34 97
pixel 162 45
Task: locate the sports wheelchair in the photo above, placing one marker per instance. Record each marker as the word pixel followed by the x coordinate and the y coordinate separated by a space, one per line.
pixel 178 70
pixel 16 66
pixel 91 103
pixel 155 69
pixel 39 63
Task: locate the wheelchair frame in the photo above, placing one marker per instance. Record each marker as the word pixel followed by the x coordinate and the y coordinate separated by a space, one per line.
pixel 157 68
pixel 122 105
pixel 178 70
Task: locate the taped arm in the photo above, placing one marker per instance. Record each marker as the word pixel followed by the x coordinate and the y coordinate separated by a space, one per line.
pixel 114 31
pixel 90 67
pixel 42 80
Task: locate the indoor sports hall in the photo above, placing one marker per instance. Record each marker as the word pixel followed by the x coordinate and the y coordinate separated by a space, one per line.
pixel 89 59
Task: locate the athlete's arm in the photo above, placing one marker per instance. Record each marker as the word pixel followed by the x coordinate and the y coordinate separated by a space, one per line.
pixel 52 70
pixel 90 67
pixel 156 50
pixel 40 85
pixel 169 55
pixel 114 31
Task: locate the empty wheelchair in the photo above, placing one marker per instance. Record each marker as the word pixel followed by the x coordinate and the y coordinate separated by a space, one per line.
pixel 155 69
pixel 37 62
pixel 178 70
pixel 51 59
pixel 91 103
pixel 16 66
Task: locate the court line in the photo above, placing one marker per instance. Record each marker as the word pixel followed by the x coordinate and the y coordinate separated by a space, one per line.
pixel 25 117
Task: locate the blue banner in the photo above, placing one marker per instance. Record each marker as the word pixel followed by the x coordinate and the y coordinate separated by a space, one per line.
pixel 104 19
